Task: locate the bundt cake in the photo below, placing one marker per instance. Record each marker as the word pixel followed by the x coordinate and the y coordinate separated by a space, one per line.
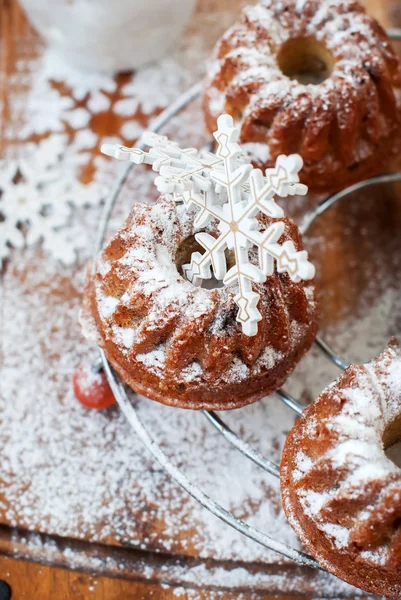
pixel 180 344
pixel 313 77
pixel 340 491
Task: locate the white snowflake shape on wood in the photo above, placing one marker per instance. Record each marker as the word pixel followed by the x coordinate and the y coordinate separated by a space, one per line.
pixel 37 197
pixel 50 106
pixel 227 189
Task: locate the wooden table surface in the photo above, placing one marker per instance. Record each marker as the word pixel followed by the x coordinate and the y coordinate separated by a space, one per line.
pixel 39 582
pixel 36 581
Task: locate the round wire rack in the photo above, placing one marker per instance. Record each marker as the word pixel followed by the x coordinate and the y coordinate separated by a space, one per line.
pixel 293 404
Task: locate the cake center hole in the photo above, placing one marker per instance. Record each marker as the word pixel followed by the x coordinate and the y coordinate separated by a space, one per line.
pixel 184 254
pixel 306 60
pixel 394 454
pixel 392 441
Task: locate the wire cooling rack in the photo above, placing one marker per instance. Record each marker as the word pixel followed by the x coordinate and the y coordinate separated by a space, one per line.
pixel 244 447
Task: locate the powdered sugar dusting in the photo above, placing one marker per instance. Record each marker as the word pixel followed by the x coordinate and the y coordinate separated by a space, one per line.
pixel 340 535
pixel 154 359
pixel 125 335
pixel 304 464
pixel 107 306
pixel 82 474
pixel 393 382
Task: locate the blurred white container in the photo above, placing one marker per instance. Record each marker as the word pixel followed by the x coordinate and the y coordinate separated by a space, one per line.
pixel 109 35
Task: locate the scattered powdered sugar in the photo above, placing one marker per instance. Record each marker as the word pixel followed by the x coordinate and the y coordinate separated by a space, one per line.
pixel 83 474
pixel 379 556
pixel 340 535
pixel 299 5
pixel 304 464
pixel 107 306
pixel 89 378
pixel 192 371
pixel 237 371
pixel 124 335
pixel 79 474
pixel 269 357
pixel 394 381
pixel 98 103
pixel 314 501
pixel 258 152
pixel 38 194
pixel 265 18
pixel 154 359
pixel 166 76
pixel 362 405
pixel 175 573
pixel 47 107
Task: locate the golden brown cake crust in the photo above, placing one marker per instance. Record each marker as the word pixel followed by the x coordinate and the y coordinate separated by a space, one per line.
pixel 180 344
pixel 345 127
pixel 340 492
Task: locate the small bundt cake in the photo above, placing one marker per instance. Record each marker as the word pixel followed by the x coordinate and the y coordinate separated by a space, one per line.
pixel 341 493
pixel 180 344
pixel 313 77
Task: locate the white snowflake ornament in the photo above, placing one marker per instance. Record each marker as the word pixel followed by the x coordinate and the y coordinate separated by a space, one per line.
pixel 226 188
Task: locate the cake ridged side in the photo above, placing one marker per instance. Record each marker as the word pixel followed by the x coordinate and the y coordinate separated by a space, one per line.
pixel 341 493
pixel 179 343
pixel 346 126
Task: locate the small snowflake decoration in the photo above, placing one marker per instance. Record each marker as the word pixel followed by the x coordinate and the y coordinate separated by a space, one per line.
pixel 226 188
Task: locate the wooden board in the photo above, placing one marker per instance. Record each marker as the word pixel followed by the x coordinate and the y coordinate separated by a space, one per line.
pixel 165 559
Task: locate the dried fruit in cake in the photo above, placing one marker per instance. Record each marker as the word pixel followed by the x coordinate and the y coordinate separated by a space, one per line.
pixel 318 78
pixel 180 344
pixel 340 491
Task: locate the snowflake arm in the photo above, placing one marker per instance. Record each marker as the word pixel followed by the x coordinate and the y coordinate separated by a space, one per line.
pixel 214 258
pixel 244 274
pixel 288 260
pixel 230 175
pixel 180 169
pixel 208 209
pixel 261 193
pixel 283 177
pixel 248 313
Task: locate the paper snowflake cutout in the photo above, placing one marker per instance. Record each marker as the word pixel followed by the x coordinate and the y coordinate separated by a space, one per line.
pixel 37 197
pixel 226 188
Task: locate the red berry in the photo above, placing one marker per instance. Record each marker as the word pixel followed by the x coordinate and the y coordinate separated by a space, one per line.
pixel 91 387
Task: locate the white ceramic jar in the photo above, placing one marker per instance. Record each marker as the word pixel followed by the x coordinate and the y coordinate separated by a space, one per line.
pixel 109 35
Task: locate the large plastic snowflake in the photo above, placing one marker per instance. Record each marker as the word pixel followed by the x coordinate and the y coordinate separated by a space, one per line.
pixel 226 188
